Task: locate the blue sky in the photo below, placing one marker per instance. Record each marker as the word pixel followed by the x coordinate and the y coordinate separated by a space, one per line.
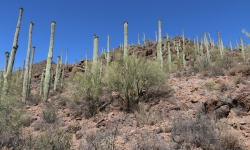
pixel 78 20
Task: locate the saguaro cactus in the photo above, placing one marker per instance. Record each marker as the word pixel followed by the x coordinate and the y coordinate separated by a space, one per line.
pixel 49 60
pixel 231 46
pixel 41 83
pixel 6 61
pixel 26 72
pixel 139 43
pixel 1 77
pixel 159 49
pixel 125 40
pixel 169 57
pixel 57 72
pixel 95 55
pixel 30 68
pixel 242 49
pixel 12 56
pixel 107 55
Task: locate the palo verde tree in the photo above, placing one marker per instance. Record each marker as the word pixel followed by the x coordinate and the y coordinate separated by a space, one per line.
pixel 130 79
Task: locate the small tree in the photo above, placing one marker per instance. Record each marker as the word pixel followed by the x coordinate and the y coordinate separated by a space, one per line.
pixel 131 80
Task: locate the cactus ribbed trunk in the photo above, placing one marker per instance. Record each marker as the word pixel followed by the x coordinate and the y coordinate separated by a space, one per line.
pixel 22 74
pixel 6 62
pixel 139 43
pixel 57 72
pixel 206 45
pixel 49 61
pixel 108 46
pixel 95 55
pixel 169 57
pixel 125 41
pixel 183 40
pixel 165 44
pixel 26 72
pixel 12 56
pixel 242 49
pixel 30 68
pixel 1 77
pixel 42 82
pixel 159 49
pixel 231 46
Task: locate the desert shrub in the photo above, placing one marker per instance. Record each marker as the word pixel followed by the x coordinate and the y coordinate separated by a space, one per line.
pixel 149 141
pixel 131 78
pixel 203 63
pixel 203 132
pixel 147 117
pixel 239 80
pixel 89 86
pixel 210 85
pixel 33 99
pixel 99 140
pixel 223 86
pixel 52 139
pixel 49 115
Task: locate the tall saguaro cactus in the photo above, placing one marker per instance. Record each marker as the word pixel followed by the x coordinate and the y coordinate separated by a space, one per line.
pixel 49 61
pixel 242 49
pixel 57 72
pixel 169 57
pixel 159 49
pixel 6 61
pixel 30 68
pixel 125 40
pixel 95 55
pixel 107 55
pixel 12 56
pixel 42 82
pixel 26 72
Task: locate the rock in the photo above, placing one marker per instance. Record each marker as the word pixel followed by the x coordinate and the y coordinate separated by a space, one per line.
pixel 243 123
pixel 194 100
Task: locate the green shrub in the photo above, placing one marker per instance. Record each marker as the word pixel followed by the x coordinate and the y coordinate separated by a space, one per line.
pixel 53 139
pixel 131 78
pixel 49 115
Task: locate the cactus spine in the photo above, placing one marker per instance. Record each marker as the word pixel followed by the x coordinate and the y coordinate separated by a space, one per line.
pixel 125 40
pixel 242 49
pixel 48 65
pixel 6 61
pixel 31 67
pixel 159 49
pixel 12 56
pixel 26 72
pixel 57 72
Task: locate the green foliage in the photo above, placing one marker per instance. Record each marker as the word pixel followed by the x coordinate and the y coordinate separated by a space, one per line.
pixel 53 139
pixel 49 115
pixel 89 85
pixel 132 78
